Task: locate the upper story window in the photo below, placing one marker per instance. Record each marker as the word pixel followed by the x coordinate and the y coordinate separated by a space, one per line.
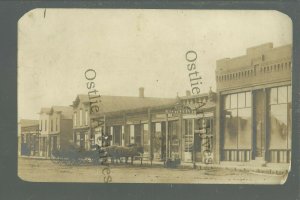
pixel 80 117
pixel 45 125
pixel 75 119
pixel 51 124
pixel 86 117
pixel 56 124
pixel 41 125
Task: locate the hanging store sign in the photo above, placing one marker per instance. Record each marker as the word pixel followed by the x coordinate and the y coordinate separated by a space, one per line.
pixel 205 115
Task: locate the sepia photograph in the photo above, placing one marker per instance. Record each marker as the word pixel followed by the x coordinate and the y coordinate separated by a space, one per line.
pixel 155 96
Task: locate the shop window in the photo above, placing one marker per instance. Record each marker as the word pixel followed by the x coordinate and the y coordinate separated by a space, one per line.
pixel 244 128
pixel 174 138
pixel 137 134
pixel 117 140
pixel 242 100
pixel 289 94
pixel 248 99
pixel 227 102
pixel 157 141
pixel 280 112
pixel 233 101
pixel 188 135
pixel 273 96
pixel 131 134
pixel 278 129
pixel 237 123
pixel 282 95
pixel 146 138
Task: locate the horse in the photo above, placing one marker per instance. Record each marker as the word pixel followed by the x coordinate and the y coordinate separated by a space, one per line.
pixel 117 152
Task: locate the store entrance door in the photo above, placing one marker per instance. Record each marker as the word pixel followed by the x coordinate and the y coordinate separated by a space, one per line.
pixel 204 140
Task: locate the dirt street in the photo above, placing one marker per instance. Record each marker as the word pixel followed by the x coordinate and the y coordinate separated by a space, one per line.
pixel 47 171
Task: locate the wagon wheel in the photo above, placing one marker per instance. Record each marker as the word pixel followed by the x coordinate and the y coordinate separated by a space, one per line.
pixel 56 160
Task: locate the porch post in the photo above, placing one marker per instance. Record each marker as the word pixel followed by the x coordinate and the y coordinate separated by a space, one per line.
pixel 150 134
pixel 218 138
pixel 167 138
pixel 123 129
pixel 181 140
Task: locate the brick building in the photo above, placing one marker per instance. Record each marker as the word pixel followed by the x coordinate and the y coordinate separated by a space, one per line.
pixel 254 105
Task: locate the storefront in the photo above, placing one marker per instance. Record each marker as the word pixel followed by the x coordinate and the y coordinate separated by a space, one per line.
pixel 255 107
pixel 180 130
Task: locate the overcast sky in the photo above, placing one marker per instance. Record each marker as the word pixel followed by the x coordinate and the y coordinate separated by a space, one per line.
pixel 130 49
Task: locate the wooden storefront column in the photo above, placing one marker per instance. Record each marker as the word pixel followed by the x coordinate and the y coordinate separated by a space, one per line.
pixel 167 138
pixel 40 141
pixel 113 135
pixel 104 126
pixel 150 133
pixel 218 131
pixel 253 130
pixel 124 134
pixel 181 141
pixel 142 133
pixel 123 130
pixel 266 131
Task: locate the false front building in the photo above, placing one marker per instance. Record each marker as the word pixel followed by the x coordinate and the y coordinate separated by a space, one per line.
pixel 55 130
pixel 254 107
pixel 178 128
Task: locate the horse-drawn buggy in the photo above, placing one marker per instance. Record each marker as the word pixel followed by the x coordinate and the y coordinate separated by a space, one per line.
pixel 74 155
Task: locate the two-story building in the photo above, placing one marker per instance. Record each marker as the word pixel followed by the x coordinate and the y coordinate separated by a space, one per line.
pixel 81 122
pixel 55 129
pixel 254 105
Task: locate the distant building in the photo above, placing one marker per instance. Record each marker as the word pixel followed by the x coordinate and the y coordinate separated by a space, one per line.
pixel 254 105
pixel 55 129
pixel 27 131
pixel 81 129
